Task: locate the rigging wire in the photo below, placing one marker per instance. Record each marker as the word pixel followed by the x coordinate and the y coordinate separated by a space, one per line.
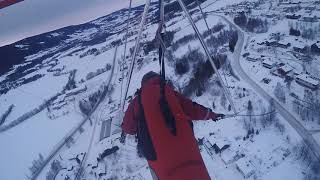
pixel 248 115
pixel 125 51
pixel 225 90
pixel 83 162
pixel 136 49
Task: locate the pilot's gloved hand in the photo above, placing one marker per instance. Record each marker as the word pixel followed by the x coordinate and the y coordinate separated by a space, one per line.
pixel 218 117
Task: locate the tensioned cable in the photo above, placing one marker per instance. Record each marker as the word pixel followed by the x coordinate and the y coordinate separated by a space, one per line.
pixel 125 51
pixel 136 49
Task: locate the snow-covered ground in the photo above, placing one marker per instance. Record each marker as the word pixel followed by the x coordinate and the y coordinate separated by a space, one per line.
pixel 271 148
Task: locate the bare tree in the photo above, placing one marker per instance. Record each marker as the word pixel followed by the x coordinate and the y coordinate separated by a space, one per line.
pixel 280 93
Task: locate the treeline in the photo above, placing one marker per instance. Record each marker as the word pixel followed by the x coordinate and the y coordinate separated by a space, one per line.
pixel 71 84
pixel 308 107
pixel 222 38
pixel 250 24
pixel 88 104
pixel 175 6
pixel 202 70
pixel 153 44
pixel 91 75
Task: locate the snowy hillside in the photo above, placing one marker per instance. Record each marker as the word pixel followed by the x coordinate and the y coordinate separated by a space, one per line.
pixel 60 92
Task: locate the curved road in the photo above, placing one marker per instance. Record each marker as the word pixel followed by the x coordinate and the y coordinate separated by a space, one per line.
pixel 290 117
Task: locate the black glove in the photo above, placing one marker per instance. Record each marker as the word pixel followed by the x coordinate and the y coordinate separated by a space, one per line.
pixel 218 117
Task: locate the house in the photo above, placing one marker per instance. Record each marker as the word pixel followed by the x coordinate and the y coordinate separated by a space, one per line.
pixel 271 43
pixel 292 16
pixel 307 81
pixel 310 18
pixel 245 167
pixel 283 44
pixel 315 48
pixel 268 64
pixel 60 99
pixel 229 156
pixel 216 145
pixel 271 15
pixel 275 43
pixel 301 48
pixel 253 58
pixel 284 70
pixel 309 9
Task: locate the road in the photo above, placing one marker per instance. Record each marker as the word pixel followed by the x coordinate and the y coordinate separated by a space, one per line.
pixel 291 118
pixel 63 142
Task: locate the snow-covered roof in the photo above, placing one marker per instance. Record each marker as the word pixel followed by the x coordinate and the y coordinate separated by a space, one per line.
pixel 245 167
pixel 61 98
pixel 220 142
pixel 283 42
pixel 286 68
pixel 307 78
pixel 253 56
pixel 268 62
pixel 299 45
pixel 211 140
pixel 229 156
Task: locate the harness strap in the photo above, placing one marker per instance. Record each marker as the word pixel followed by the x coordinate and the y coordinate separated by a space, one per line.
pixel 164 106
pixel 160 38
pixel 145 145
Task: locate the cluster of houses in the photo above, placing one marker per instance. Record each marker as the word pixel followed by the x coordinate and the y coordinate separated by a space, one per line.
pixel 221 146
pixel 286 71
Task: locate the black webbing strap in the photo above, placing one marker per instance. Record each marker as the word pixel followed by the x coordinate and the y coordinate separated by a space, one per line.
pixel 160 37
pixel 145 145
pixel 165 109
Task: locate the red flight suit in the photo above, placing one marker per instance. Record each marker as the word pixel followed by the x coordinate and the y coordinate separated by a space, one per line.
pixel 178 157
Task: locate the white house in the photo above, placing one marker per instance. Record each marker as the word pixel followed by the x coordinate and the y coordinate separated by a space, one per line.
pixel 228 156
pixel 285 70
pixel 253 58
pixel 268 63
pixel 245 167
pixel 216 145
pixel 308 81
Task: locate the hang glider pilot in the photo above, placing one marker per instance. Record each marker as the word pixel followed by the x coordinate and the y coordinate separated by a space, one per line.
pixel 161 119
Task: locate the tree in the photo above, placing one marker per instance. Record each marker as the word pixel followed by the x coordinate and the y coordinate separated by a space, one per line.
pixel 233 41
pixel 279 93
pixel 241 19
pixel 280 127
pixel 182 67
pixel 294 32
pixel 271 116
pixel 223 100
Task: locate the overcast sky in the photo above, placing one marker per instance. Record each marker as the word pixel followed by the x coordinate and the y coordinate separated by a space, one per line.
pixel 32 17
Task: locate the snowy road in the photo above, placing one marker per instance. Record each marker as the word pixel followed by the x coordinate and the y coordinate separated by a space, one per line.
pixel 290 117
